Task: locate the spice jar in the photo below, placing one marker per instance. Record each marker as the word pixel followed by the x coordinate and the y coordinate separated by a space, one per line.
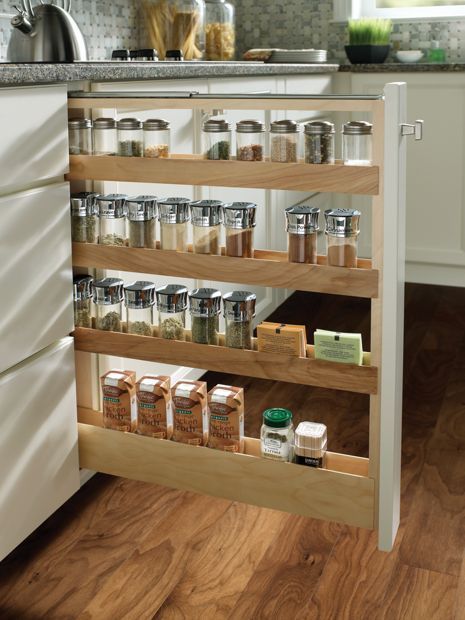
pixel 142 212
pixel 206 216
pixel 84 221
pixel 173 214
pixel 108 297
pixel 130 143
pixel 319 142
pixel 139 298
pixel 250 140
pixel 112 214
pixel 172 304
pixel 216 137
pixel 310 444
pixel 156 138
pixel 284 141
pixel 105 141
pixel 80 136
pixel 239 310
pixel 302 229
pixel 342 230
pixel 82 295
pixel 239 221
pixel 219 30
pixel 277 435
pixel 205 308
pixel 357 142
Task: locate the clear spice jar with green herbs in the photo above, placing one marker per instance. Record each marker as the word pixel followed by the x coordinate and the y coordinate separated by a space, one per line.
pixel 82 296
pixel 130 138
pixel 112 219
pixel 205 308
pixel 319 142
pixel 141 212
pixel 206 217
pixel 172 305
pixel 277 435
pixel 84 220
pixel 239 311
pixel 302 230
pixel 173 214
pixel 139 299
pixel 216 137
pixel 284 141
pixel 108 298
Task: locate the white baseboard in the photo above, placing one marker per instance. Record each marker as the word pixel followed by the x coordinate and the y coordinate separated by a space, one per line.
pixel 443 275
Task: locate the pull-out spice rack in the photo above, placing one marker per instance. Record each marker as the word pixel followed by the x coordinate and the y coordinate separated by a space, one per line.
pixel 352 490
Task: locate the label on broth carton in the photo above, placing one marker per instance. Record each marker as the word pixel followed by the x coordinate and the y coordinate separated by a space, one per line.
pixel 226 411
pixel 154 414
pixel 190 415
pixel 119 399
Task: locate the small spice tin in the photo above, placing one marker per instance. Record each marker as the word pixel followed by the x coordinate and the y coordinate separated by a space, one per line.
pixel 216 139
pixel 310 444
pixel 239 221
pixel 104 133
pixel 108 297
pixel 239 310
pixel 141 212
pixel 173 214
pixel 342 230
pixel 206 216
pixel 82 295
pixel 205 307
pixel 112 214
pixel 139 298
pixel 302 228
pixel 80 136
pixel 172 305
pixel 156 137
pixel 84 221
pixel 357 143
pixel 250 140
pixel 284 141
pixel 277 435
pixel 319 142
pixel 130 140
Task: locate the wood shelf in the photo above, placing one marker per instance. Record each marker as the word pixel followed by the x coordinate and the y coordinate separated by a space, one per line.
pixel 194 170
pixel 267 268
pixel 305 371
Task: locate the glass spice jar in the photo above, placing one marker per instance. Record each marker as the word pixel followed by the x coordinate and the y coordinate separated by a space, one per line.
pixel 219 30
pixel 239 221
pixel 104 134
pixel 302 229
pixel 216 138
pixel 239 310
pixel 206 216
pixel 319 142
pixel 139 299
pixel 205 308
pixel 112 216
pixel 82 295
pixel 130 140
pixel 277 435
pixel 156 138
pixel 310 444
pixel 80 136
pixel 284 141
pixel 141 212
pixel 342 230
pixel 172 304
pixel 108 297
pixel 357 143
pixel 250 141
pixel 84 221
pixel 173 214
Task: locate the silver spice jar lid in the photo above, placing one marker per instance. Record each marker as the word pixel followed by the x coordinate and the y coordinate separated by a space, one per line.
pixel 79 123
pixel 250 126
pixel 82 287
pixel 83 204
pixel 342 222
pixel 105 123
pixel 216 125
pixel 207 212
pixel 112 206
pixel 139 294
pixel 172 298
pixel 319 127
pixel 302 219
pixel 155 124
pixel 239 215
pixel 173 210
pixel 129 123
pixel 205 302
pixel 284 126
pixel 141 208
pixel 239 306
pixel 357 128
pixel 108 291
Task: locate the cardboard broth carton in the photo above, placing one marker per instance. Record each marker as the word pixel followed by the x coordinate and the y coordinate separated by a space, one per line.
pixel 119 400
pixel 226 413
pixel 154 407
pixel 190 415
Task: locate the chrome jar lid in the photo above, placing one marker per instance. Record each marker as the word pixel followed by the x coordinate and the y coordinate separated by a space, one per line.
pixel 206 212
pixel 79 123
pixel 357 128
pixel 319 127
pixel 129 123
pixel 216 125
pixel 239 306
pixel 112 206
pixel 239 215
pixel 250 126
pixel 284 126
pixel 83 204
pixel 172 298
pixel 82 287
pixel 173 210
pixel 205 302
pixel 108 291
pixel 105 123
pixel 155 124
pixel 139 294
pixel 141 208
pixel 342 222
pixel 302 219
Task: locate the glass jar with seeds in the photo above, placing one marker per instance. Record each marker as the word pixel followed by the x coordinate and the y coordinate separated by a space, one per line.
pixel 342 230
pixel 319 142
pixel 239 222
pixel 250 140
pixel 112 216
pixel 216 137
pixel 82 296
pixel 141 211
pixel 84 220
pixel 239 311
pixel 156 137
pixel 80 136
pixel 357 143
pixel 206 216
pixel 205 308
pixel 173 214
pixel 139 299
pixel 284 141
pixel 172 305
pixel 130 139
pixel 302 231
pixel 108 298
pixel 277 435
pixel 104 134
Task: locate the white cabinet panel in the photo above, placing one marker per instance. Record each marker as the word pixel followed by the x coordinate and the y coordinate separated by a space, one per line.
pixel 38 441
pixel 36 306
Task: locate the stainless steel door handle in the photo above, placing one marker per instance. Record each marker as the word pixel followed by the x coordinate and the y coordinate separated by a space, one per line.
pixel 415 129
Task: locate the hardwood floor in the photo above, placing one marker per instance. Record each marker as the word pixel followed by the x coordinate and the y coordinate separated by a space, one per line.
pixel 127 550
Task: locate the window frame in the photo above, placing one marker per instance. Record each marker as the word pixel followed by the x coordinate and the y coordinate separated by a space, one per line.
pixel 353 9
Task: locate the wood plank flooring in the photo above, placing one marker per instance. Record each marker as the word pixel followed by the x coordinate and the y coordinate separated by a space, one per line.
pixel 121 549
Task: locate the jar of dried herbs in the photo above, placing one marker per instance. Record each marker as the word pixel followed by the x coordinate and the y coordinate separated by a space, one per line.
pixel 239 222
pixel 80 136
pixel 342 230
pixel 82 295
pixel 277 435
pixel 156 137
pixel 302 231
pixel 206 216
pixel 205 308
pixel 112 216
pixel 130 140
pixel 216 137
pixel 105 140
pixel 319 142
pixel 173 214
pixel 172 305
pixel 139 299
pixel 84 221
pixel 142 211
pixel 239 311
pixel 250 140
pixel 108 298
pixel 284 141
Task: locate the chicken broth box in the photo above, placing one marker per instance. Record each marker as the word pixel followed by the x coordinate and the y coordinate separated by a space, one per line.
pixel 119 400
pixel 190 414
pixel 226 411
pixel 154 412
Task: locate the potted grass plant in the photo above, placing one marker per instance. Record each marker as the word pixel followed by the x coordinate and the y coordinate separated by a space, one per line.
pixel 368 40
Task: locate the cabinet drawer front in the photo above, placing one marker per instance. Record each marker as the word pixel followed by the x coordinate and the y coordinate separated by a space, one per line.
pixel 36 306
pixel 38 441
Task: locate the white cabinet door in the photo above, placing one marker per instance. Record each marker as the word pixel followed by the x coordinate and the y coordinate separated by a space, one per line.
pixel 38 441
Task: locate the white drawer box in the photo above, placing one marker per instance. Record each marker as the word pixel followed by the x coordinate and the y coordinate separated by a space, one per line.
pixel 38 441
pixel 36 298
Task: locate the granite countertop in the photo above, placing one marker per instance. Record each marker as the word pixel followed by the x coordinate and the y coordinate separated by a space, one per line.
pixel 404 67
